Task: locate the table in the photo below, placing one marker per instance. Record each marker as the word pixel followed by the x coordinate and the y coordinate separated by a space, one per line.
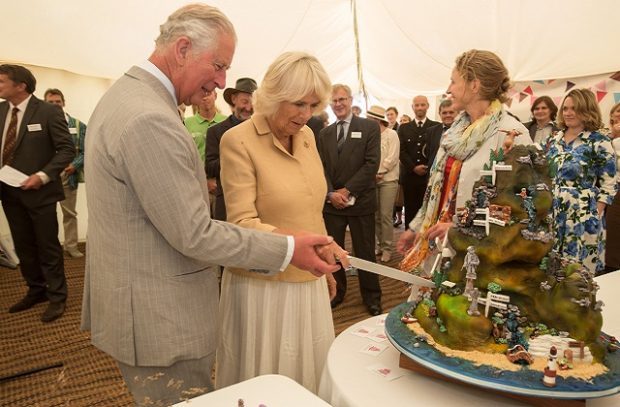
pixel 271 390
pixel 347 380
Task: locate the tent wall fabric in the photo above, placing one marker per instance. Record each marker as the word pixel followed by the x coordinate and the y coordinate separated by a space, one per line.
pixel 407 47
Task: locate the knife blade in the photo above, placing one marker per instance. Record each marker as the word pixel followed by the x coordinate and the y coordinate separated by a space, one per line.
pixel 389 272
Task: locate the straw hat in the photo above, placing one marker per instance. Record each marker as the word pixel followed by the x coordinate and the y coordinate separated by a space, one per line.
pixel 378 113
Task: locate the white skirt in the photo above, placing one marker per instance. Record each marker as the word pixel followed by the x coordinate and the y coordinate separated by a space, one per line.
pixel 273 327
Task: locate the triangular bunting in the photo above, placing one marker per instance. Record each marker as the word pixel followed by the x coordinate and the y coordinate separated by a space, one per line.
pixel 532 100
pixel 550 81
pixel 529 91
pixel 602 85
pixel 557 100
pixel 569 86
pixel 509 101
pixel 511 92
pixel 600 95
pixel 616 76
pixel 522 96
pixel 616 97
pixel 541 82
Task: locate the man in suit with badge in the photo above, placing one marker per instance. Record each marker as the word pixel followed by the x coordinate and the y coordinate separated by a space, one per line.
pixel 151 289
pixel 240 100
pixel 350 150
pixel 414 174
pixel 36 142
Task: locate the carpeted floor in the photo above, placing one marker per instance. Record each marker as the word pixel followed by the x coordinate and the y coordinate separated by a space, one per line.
pixel 85 376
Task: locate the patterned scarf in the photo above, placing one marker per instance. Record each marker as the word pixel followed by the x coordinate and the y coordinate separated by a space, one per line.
pixel 462 140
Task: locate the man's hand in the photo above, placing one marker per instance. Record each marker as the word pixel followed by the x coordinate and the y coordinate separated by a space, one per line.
pixel 32 182
pixel 420 169
pixel 211 185
pixel 338 200
pixel 70 169
pixel 379 177
pixel 406 240
pixel 305 254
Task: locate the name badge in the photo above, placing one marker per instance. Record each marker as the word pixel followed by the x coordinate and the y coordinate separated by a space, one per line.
pixel 72 130
pixel 356 134
pixel 34 127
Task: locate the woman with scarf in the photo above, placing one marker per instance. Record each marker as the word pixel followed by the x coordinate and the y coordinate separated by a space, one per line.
pixel 478 86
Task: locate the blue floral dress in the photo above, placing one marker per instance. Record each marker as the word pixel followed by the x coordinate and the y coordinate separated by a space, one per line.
pixel 583 173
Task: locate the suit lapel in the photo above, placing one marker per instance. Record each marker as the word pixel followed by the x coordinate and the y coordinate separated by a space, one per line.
pixel 31 108
pixel 4 109
pixel 332 146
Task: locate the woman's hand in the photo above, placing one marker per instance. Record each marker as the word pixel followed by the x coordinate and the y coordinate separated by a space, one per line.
pixel 332 254
pixel 331 286
pixel 407 238
pixel 438 230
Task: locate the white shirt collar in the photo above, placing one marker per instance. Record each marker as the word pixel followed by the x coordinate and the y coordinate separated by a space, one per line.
pixel 156 72
pixel 22 106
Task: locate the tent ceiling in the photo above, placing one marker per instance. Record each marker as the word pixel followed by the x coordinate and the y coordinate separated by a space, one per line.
pixel 407 46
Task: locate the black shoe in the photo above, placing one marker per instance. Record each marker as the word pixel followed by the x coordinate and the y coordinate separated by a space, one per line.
pixel 398 223
pixel 335 302
pixel 54 311
pixel 374 309
pixel 26 303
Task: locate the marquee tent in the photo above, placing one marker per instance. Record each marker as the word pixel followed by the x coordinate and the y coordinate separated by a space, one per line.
pixel 389 50
pixel 406 47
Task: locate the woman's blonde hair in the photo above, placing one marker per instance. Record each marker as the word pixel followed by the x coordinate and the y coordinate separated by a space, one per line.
pixel 613 110
pixel 291 77
pixel 489 69
pixel 586 109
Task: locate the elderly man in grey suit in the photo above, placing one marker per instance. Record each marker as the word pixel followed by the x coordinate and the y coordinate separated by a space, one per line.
pixel 151 292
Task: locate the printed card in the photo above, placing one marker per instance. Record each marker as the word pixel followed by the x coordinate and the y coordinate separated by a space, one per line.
pixel 362 331
pixel 387 373
pixel 374 349
pixel 378 335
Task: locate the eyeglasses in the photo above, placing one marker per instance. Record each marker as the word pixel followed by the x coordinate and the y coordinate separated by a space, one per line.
pixel 339 100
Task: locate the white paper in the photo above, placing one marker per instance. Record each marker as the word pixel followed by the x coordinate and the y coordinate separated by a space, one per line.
pixel 11 176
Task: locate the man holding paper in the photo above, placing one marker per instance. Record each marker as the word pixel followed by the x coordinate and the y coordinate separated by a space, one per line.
pixel 37 143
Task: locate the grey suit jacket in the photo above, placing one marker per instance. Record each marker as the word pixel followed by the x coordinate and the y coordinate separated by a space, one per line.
pixel 355 167
pixel 150 290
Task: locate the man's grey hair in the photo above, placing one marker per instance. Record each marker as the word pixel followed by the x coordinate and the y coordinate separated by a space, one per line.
pixel 201 23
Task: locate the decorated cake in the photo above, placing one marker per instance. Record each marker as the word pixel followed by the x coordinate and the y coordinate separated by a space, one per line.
pixel 501 297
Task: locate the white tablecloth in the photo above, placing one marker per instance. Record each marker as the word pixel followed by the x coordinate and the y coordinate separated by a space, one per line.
pixel 347 381
pixel 271 390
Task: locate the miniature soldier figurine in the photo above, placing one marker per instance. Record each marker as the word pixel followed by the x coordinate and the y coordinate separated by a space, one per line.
pixel 470 264
pixel 473 307
pixel 551 369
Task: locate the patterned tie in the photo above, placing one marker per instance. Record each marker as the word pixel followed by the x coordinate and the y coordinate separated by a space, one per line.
pixel 420 123
pixel 341 137
pixel 11 137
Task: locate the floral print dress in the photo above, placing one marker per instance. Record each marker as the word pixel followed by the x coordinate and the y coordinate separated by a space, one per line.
pixel 583 173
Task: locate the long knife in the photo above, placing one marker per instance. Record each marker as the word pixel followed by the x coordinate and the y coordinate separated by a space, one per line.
pixel 389 272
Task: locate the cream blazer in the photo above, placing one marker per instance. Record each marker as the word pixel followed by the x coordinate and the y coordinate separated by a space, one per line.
pixel 266 188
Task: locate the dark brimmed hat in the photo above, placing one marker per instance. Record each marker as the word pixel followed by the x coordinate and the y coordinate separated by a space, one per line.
pixel 245 85
pixel 376 112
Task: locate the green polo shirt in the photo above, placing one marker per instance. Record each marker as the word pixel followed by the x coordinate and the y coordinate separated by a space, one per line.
pixel 197 127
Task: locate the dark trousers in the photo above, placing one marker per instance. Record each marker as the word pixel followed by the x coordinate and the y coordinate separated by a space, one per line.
pixel 363 237
pixel 35 234
pixel 220 207
pixel 414 195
